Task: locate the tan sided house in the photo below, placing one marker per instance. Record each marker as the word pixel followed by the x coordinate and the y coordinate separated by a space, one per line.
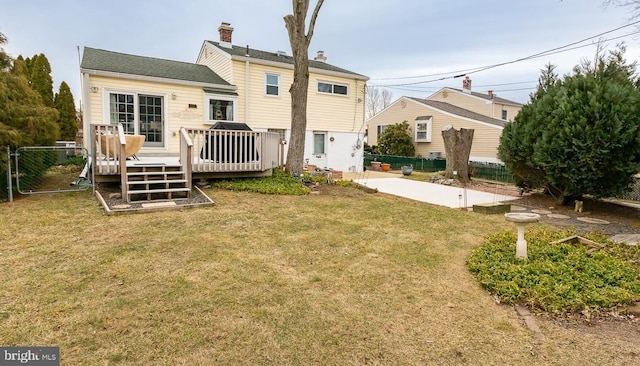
pixel 226 115
pixel 448 106
pixel 335 112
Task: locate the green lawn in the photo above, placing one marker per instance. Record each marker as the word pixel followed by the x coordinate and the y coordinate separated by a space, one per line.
pixel 347 278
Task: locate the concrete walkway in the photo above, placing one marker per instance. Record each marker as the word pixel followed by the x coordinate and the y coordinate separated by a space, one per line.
pixel 437 194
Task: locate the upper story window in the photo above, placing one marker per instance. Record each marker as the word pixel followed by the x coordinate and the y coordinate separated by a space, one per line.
pixel 221 108
pixel 331 88
pixel 272 84
pixel 423 129
pixel 504 115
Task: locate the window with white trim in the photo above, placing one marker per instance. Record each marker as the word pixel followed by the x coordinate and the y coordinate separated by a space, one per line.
pixel 272 82
pixel 380 129
pixel 139 114
pixel 318 143
pixel 331 88
pixel 504 114
pixel 122 110
pixel 423 129
pixel 220 108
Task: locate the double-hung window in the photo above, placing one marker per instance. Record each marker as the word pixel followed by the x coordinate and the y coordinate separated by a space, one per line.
pixel 423 128
pixel 505 114
pixel 272 82
pixel 332 88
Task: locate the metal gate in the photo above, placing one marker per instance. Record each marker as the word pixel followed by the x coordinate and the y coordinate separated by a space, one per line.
pixel 50 169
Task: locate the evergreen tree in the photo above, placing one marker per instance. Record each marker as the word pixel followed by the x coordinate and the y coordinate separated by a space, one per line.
pixel 396 140
pixel 24 119
pixel 5 60
pixel 68 120
pixel 581 135
pixel 41 81
pixel 19 67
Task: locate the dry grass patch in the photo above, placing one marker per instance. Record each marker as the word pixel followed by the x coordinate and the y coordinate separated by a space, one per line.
pixel 256 279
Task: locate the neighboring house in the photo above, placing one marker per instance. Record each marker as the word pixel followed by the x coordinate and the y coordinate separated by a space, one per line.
pixel 427 118
pixel 489 104
pixel 487 114
pixel 335 108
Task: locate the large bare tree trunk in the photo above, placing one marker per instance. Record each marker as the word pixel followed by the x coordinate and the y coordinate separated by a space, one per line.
pixel 457 147
pixel 295 24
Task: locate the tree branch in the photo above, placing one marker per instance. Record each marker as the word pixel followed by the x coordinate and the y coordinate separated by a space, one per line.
pixel 312 23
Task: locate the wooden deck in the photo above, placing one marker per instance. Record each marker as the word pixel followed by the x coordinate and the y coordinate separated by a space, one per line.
pixel 204 153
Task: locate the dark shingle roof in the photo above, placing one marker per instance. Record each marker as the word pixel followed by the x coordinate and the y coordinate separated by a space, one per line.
pixel 101 60
pixel 450 108
pixel 275 57
pixel 487 97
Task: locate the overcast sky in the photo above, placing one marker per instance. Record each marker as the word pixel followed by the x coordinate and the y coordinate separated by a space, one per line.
pixel 382 39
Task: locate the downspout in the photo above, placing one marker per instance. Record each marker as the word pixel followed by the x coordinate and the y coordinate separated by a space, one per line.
pixel 246 91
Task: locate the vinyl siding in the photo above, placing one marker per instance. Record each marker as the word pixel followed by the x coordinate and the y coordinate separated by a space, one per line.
pixel 475 104
pixel 324 112
pixel 217 61
pixel 469 102
pixel 178 113
pixel 485 139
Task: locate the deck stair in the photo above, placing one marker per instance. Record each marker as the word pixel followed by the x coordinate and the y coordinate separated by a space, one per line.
pixel 156 181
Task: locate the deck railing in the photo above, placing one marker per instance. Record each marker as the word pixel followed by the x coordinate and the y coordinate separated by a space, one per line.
pixel 108 143
pixel 214 151
pixel 233 151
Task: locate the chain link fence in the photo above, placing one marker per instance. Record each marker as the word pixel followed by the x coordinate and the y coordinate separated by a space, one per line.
pixel 634 193
pixel 44 169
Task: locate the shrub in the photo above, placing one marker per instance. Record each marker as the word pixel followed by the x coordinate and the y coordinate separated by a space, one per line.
pixel 558 278
pixel 278 183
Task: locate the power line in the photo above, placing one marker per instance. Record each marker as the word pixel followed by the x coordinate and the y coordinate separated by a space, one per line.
pixel 552 51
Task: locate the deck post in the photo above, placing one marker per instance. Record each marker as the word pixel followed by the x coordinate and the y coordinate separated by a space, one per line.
pixel 122 159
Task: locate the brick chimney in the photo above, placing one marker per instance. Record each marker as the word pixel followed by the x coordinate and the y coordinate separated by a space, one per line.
pixel 225 31
pixel 490 92
pixel 466 85
pixel 320 57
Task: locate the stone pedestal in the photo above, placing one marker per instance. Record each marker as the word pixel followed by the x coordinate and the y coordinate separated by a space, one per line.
pixel 521 219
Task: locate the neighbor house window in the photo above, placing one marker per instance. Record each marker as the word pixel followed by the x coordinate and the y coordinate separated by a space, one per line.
pixel 504 115
pixel 318 143
pixel 331 88
pixel 381 129
pixel 221 108
pixel 423 129
pixel 273 84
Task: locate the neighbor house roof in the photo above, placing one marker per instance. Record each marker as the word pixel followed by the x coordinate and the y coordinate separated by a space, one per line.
pixel 278 57
pixel 122 63
pixel 461 112
pixel 496 99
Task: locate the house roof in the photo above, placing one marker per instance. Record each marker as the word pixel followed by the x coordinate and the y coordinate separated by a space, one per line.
pixel 496 99
pixel 240 51
pixel 122 63
pixel 461 112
